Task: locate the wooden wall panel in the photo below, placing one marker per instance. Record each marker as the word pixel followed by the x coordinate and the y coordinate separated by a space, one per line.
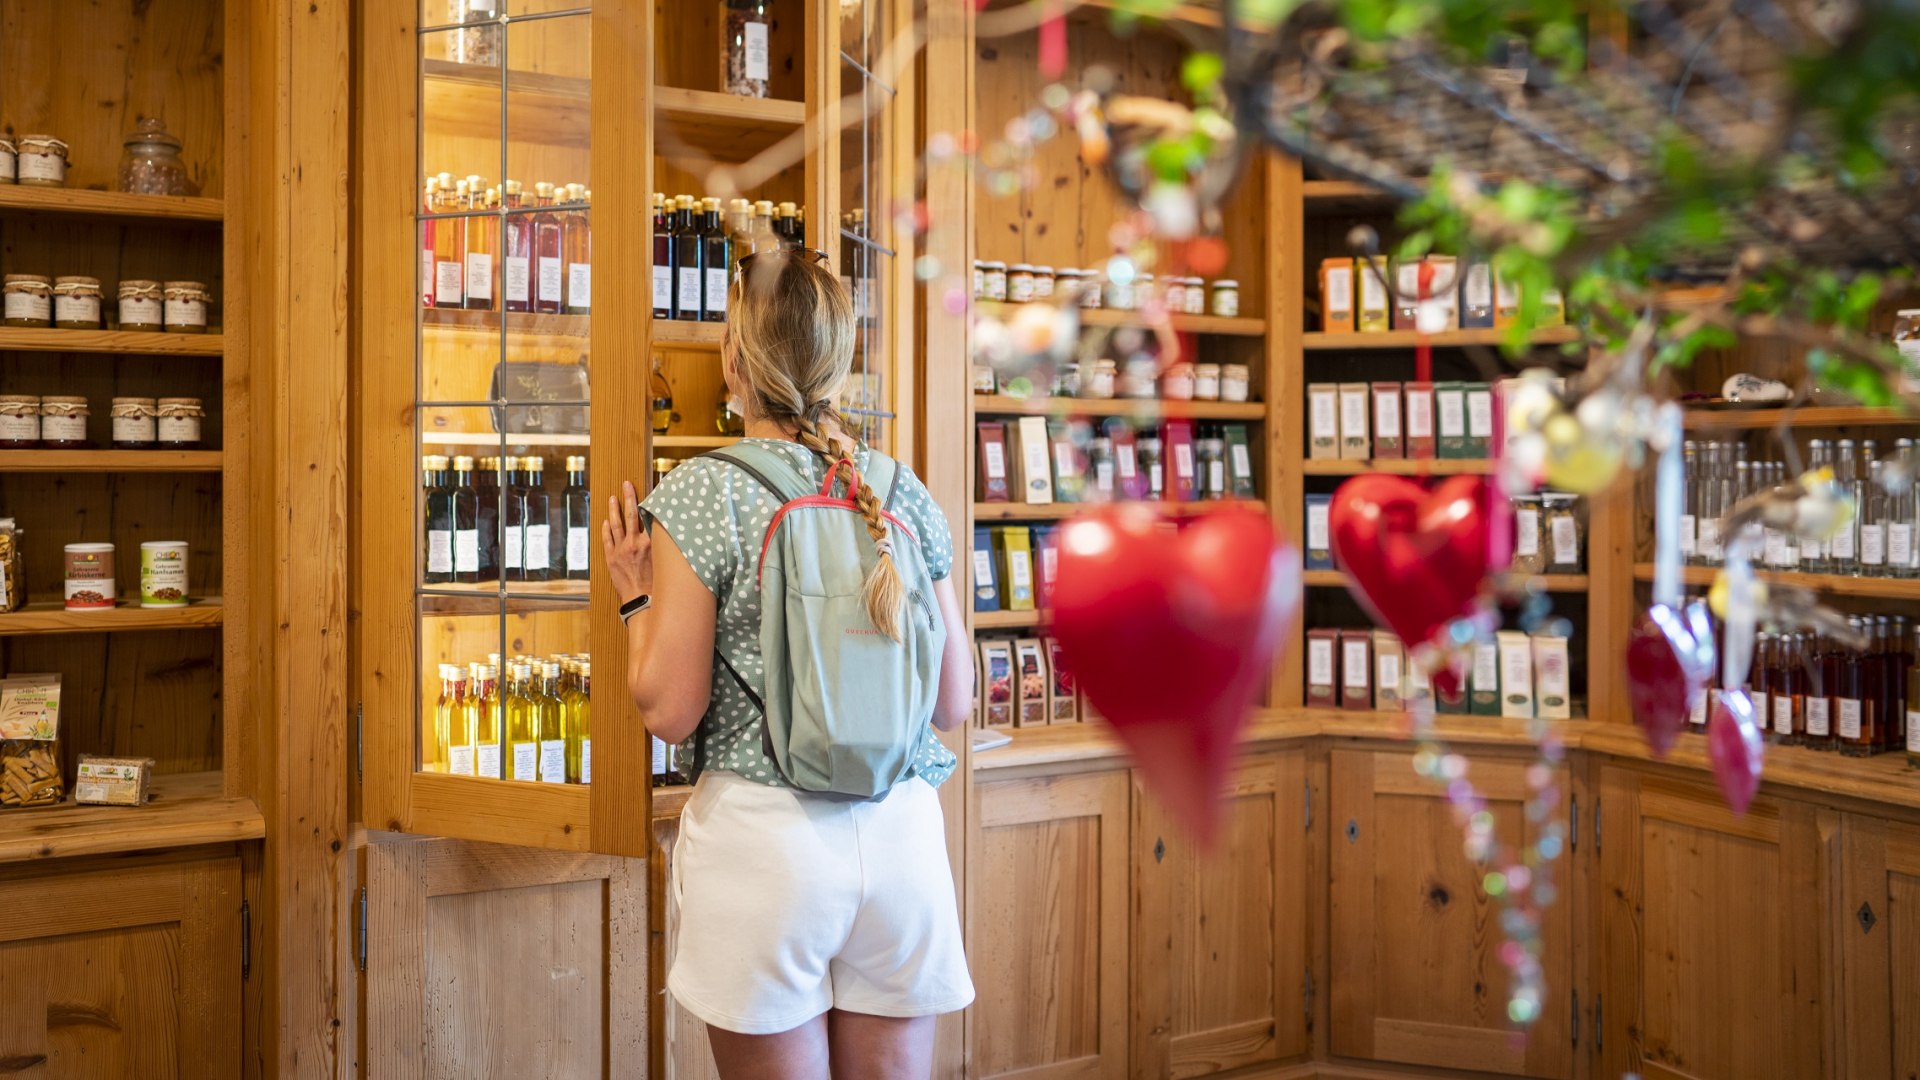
pixel 682 1050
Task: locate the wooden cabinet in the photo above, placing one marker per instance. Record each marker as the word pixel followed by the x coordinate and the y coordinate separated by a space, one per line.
pixel 1416 975
pixel 1876 922
pixel 682 1050
pixel 1711 930
pixel 122 968
pixel 1049 918
pixel 1220 936
pixel 485 960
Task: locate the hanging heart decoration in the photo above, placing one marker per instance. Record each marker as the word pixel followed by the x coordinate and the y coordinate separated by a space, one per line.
pixel 1734 748
pixel 1170 628
pixel 1669 660
pixel 1416 559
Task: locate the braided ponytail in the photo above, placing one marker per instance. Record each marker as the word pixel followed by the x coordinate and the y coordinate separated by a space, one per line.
pixel 884 594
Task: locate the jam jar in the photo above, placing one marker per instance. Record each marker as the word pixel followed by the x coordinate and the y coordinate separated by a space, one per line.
pixel 41 161
pixel 1236 382
pixel 186 307
pixel 177 422
pixel 19 421
pixel 1226 298
pixel 8 160
pixel 28 301
pixel 140 306
pixel 76 303
pixel 63 423
pixel 133 423
pixel 1206 382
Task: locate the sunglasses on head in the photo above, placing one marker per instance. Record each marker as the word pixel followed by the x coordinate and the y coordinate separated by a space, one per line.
pixel 804 254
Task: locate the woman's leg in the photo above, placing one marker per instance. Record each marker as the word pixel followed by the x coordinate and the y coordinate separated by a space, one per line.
pixel 797 1054
pixel 867 1047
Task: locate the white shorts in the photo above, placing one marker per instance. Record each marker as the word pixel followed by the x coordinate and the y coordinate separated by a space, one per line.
pixel 792 904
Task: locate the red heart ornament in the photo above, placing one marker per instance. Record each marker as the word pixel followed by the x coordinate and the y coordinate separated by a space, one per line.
pixel 1669 660
pixel 1734 749
pixel 1416 559
pixel 1170 629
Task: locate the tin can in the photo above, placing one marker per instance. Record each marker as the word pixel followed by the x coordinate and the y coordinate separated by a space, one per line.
pixel 163 574
pixel 90 583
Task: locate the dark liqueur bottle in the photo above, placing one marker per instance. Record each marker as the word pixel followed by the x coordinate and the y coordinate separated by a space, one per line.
pixel 439 514
pixel 465 506
pixel 662 258
pixel 689 262
pixel 536 514
pixel 716 260
pixel 578 505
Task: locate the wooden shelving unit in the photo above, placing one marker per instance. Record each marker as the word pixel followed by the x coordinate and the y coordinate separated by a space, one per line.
pixel 1811 416
pixel 987 513
pixel 492 438
pixel 1832 584
pixel 26 199
pixel 518 323
pixel 1219 325
pixel 1007 620
pixel 683 334
pixel 725 127
pixel 1553 583
pixel 119 342
pixel 183 810
pixel 52 617
pixel 110 461
pixel 1397 466
pixel 1156 408
pixel 1448 339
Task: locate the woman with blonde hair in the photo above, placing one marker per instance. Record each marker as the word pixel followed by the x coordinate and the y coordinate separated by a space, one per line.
pixel 818 934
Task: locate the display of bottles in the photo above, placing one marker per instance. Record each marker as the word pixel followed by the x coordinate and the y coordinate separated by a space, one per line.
pixel 516 247
pixel 504 253
pixel 523 736
pixel 663 264
pixel 688 261
pixel 549 253
pixel 578 507
pixel 577 244
pixel 513 726
pixel 437 508
pixel 464 511
pixel 716 261
pixel 577 725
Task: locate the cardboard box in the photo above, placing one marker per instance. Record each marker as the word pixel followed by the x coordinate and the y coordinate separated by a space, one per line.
pixel 1336 295
pixel 1014 546
pixel 1128 481
pixel 1386 421
pixel 1553 308
pixel 104 781
pixel 1183 477
pixel 1323 668
pixel 1356 435
pixel 1479 419
pixel 1065 702
pixel 1323 421
pixel 986 577
pixel 1240 482
pixel 1440 312
pixel 996 667
pixel 1506 301
pixel 1419 687
pixel 1516 675
pixel 1031 684
pixel 994 484
pixel 1417 400
pixel 1483 687
pixel 1069 474
pixel 1476 295
pixel 1553 680
pixel 1389 672
pixel 1032 463
pixel 1046 562
pixel 1319 532
pixel 1375 313
pixel 1450 419
pixel 1356 669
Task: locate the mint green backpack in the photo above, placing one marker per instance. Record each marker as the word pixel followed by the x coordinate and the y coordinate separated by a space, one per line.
pixel 847 708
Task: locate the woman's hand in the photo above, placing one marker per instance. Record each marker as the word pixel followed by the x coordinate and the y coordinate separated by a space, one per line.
pixel 629 549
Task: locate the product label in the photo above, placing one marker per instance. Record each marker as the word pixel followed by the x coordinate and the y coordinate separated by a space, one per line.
pixel 577 549
pixel 1526 540
pixel 6 166
pixel 1389 672
pixel 1775 548
pixel 1709 538
pixel 754 37
pixel 426 279
pixel 1782 714
pixel 1686 534
pixel 1339 294
pixel 486 761
pixel 1516 673
pixel 460 760
pixel 996 456
pixel 448 284
pixel 439 551
pixel 466 551
pixel 1913 731
pixel 1373 293
pixel 1840 546
pixel 1317 517
pixel 1020 571
pixel 1326 425
pixel 1899 544
pixel 1817 716
pixel 1353 416
pixel 1103 476
pixel 1183 461
pixel 186 313
pixel 133 429
pixel 63 428
pixel 138 311
pixel 1386 415
pixel 982 566
pixel 1063 464
pixel 580 285
pixel 553 761
pixel 1480 414
pixel 1217 476
pixel 1419 416
pixel 1849 719
pixel 76 309
pixel 21 305
pixel 689 288
pixel 1242 461
pixel 539 547
pixel 1873 545
pixel 1811 550
pixel 42 167
pixel 717 291
pixel 1320 663
pixel 1508 293
pixel 549 283
pixel 19 428
pixel 1453 419
pixel 1761 709
pixel 1353 664
pixel 1566 547
pixel 178 429
pixel 479 276
pixel 1155 481
pixel 526 761
pixel 513 273
pixel 514 537
pixel 663 288
pixel 1486 667
pixel 1698 716
pixel 1479 286
pixel 89 592
pixel 658 765
pixel 586 761
pixel 1123 457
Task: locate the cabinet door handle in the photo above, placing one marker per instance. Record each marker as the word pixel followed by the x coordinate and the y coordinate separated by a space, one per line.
pixel 1353 831
pixel 1865 917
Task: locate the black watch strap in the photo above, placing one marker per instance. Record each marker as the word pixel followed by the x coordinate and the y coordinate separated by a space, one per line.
pixel 637 604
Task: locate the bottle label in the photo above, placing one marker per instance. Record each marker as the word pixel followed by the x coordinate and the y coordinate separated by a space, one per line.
pixel 689 289
pixel 755 40
pixel 1775 547
pixel 460 760
pixel 586 761
pixel 1183 461
pixel 1849 717
pixel 1486 667
pixel 539 550
pixel 553 761
pixel 1873 545
pixel 580 285
pixel 1123 459
pixel 1242 461
pixel 1103 477
pixel 1698 717
pixel 486 760
pixel 1479 286
pixel 1527 532
pixel 1217 477
pixel 717 291
pixel 1762 707
pixel 447 284
pixel 76 309
pixel 1155 480
pixel 439 551
pixel 513 271
pixel 996 458
pixel 513 540
pixel 550 280
pixel 1686 534
pixel 1841 546
pixel 479 276
pixel 1320 663
pixel 1782 714
pixel 659 757
pixel 577 548
pixel 1900 544
pixel 22 305
pixel 427 284
pixel 1709 539
pixel 1913 731
pixel 1818 722
pixel 466 551
pixel 1566 543
pixel 1019 572
pixel 1811 551
pixel 526 761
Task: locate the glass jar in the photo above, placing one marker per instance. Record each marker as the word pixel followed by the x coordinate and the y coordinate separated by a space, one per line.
pixel 8 160
pixel 1020 283
pixel 19 421
pixel 76 303
pixel 661 467
pixel 41 161
pixel 479 43
pixel 1236 382
pixel 1139 378
pixel 984 381
pixel 1206 382
pixel 186 310
pixel 1066 380
pixel 1196 296
pixel 1210 451
pixel 1100 380
pixel 728 421
pixel 1565 535
pixel 177 422
pixel 1120 296
pixel 1226 298
pixel 132 419
pixel 28 301
pixel 1906 338
pixel 1091 294
pixel 1100 468
pixel 1043 283
pixel 995 279
pixel 63 423
pixel 979 280
pixel 1529 550
pixel 745 51
pixel 1142 290
pixel 150 163
pixel 1176 298
pixel 1177 383
pixel 140 306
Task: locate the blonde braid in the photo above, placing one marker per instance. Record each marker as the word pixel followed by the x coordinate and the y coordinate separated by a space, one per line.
pixel 884 594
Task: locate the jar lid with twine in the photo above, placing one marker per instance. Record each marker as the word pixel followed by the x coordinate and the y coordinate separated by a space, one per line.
pixel 133 407
pixel 19 405
pixel 27 283
pixel 75 286
pixel 139 289
pixel 63 406
pixel 180 408
pixel 42 144
pixel 186 290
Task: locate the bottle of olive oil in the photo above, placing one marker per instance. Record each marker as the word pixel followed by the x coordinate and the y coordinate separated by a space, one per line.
pixel 523 738
pixel 579 728
pixel 549 726
pixel 513 534
pixel 662 258
pixel 465 720
pixel 439 731
pixel 486 736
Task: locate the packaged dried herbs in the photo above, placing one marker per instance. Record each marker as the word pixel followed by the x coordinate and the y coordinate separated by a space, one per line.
pixel 30 772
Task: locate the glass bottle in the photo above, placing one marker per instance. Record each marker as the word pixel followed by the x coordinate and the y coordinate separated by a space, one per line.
pixel 465 502
pixel 480 42
pixel 1147 449
pixel 1913 701
pixel 578 245
pixel 1211 451
pixel 579 727
pixel 439 513
pixel 486 486
pixel 1843 547
pixel 1873 526
pixel 1823 674
pixel 786 224
pixel 1789 539
pixel 689 268
pixel 549 243
pixel 1760 677
pixel 716 260
pixel 536 517
pixel 429 264
pixel 745 54
pixel 486 735
pixel 549 725
pixel 435 739
pixel 1788 689
pixel 1899 659
pixel 662 398
pixel 523 740
pixel 578 505
pixel 1707 522
pixel 1690 502
pixel 450 245
pixel 465 720
pixel 1900 521
pixel 1813 553
pixel 516 252
pixel 1852 721
pixel 513 525
pixel 662 258
pixel 1741 486
pixel 482 243
pixel 764 236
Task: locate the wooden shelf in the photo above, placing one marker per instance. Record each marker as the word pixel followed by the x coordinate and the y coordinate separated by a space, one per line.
pixel 1006 620
pixel 1569 583
pixel 686 334
pixel 693 442
pixel 1811 416
pixel 28 199
pixel 109 461
pixel 1448 339
pixel 1002 405
pixel 452 598
pixel 518 323
pixel 1345 195
pixel 725 127
pixel 52 617
pixel 184 809
pixel 984 513
pixel 131 343
pixel 1452 727
pixel 492 438
pixel 1189 324
pixel 464 99
pixel 1833 584
pixel 1397 466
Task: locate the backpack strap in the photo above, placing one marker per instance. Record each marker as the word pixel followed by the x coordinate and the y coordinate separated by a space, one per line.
pixel 769 468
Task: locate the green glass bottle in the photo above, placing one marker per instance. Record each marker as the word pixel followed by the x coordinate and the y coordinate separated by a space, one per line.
pixel 577 721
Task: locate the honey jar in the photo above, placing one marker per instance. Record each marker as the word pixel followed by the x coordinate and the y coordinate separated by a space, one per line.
pixel 28 301
pixel 186 307
pixel 19 421
pixel 178 422
pixel 140 306
pixel 1020 283
pixel 8 160
pixel 41 161
pixel 1236 382
pixel 132 419
pixel 76 303
pixel 1206 382
pixel 63 423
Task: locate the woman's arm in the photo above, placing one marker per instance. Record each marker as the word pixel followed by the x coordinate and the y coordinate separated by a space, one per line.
pixel 670 644
pixel 955 705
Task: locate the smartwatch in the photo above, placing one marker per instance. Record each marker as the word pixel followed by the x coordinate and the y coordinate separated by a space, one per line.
pixel 634 606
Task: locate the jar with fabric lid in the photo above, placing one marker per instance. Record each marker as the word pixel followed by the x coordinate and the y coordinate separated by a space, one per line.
pixel 63 423
pixel 1092 295
pixel 133 423
pixel 1206 382
pixel 1176 295
pixel 1099 381
pixel 186 307
pixel 1226 298
pixel 19 421
pixel 177 422
pixel 76 303
pixel 1177 383
pixel 1120 295
pixel 140 306
pixel 1139 378
pixel 28 301
pixel 1236 382
pixel 41 161
pixel 8 160
pixel 1043 283
pixel 1143 287
pixel 995 283
pixel 1020 283
pixel 979 280
pixel 150 164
